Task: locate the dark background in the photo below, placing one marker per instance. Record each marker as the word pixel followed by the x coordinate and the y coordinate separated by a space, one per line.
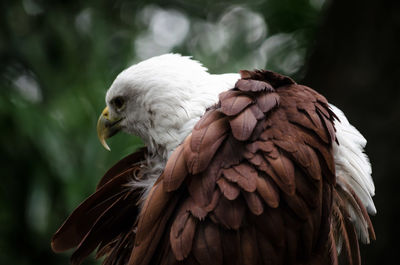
pixel 57 58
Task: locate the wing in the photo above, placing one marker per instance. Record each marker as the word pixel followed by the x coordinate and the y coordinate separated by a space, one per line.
pixel 106 220
pixel 353 193
pixel 253 184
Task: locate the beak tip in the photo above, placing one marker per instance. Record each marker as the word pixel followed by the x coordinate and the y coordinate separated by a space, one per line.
pixel 104 144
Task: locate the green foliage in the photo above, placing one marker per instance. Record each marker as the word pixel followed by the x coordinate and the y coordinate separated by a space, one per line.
pixel 58 58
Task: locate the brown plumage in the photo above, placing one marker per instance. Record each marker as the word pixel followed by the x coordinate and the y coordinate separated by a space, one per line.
pixel 254 183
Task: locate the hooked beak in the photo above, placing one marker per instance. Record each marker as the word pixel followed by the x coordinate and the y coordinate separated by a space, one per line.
pixel 107 127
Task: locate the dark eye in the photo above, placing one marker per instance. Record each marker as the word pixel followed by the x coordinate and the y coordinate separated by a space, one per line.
pixel 118 102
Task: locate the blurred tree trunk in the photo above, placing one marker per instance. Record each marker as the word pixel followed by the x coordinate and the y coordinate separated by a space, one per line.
pixel 355 64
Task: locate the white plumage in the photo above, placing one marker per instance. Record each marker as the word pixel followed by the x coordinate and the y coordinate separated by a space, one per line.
pixel 352 164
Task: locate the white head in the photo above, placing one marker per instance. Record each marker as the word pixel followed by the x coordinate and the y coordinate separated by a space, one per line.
pixel 160 100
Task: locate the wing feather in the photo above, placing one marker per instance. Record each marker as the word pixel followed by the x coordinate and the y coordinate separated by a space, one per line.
pixel 230 190
pixel 207 247
pixel 175 171
pixel 233 105
pixel 254 202
pixel 107 218
pixel 243 125
pixel 248 246
pixel 268 190
pixel 182 234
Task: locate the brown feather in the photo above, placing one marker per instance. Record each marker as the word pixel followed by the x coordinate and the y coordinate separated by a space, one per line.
pixel 230 214
pixel 128 162
pixel 339 222
pixel 228 94
pixel 355 249
pixel 228 189
pixel 254 202
pixel 271 224
pixel 246 177
pixel 291 244
pixel 207 247
pixel 348 196
pixel 268 254
pixel 266 146
pixel 258 161
pixel 230 241
pixel 306 239
pixel 197 211
pixel 304 156
pixel 208 118
pixel 175 171
pixel 169 258
pixel 283 167
pixel 333 254
pixel 308 189
pixel 301 120
pixel 268 191
pixel 258 114
pixel 230 152
pixel 79 223
pixel 233 105
pixel 323 108
pixel 310 111
pixel 275 79
pixel 268 101
pixel 118 251
pixel 103 229
pixel 266 168
pixel 253 85
pixel 248 246
pixel 203 145
pixel 214 201
pixel 201 187
pixel 243 125
pixel 182 234
pixel 329 127
pixel 297 205
pixel 152 220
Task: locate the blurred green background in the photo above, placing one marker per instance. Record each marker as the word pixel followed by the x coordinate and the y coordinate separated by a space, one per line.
pixel 57 59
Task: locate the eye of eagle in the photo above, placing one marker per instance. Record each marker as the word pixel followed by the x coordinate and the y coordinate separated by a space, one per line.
pixel 118 102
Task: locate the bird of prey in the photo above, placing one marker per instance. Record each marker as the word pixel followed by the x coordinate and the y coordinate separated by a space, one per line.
pixel 248 168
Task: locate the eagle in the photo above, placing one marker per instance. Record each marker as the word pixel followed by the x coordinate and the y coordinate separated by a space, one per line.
pixel 247 169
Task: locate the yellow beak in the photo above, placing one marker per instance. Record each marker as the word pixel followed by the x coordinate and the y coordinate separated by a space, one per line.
pixel 107 127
